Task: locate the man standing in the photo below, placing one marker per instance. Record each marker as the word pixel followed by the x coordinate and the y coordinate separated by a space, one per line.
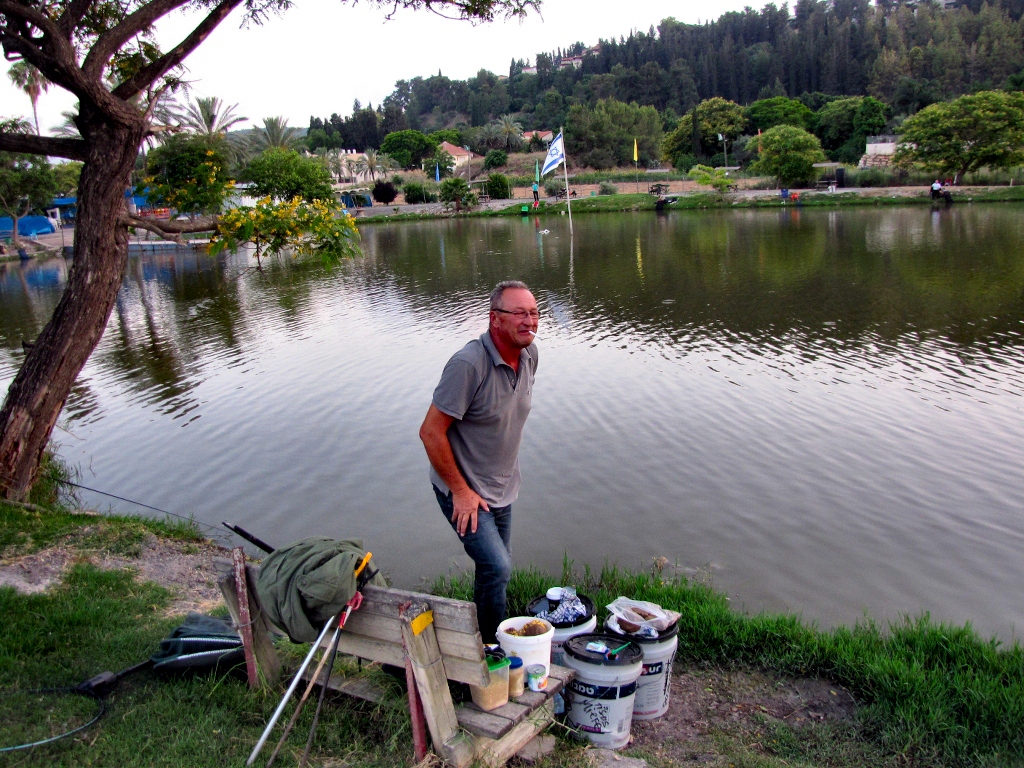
pixel 472 433
pixel 536 194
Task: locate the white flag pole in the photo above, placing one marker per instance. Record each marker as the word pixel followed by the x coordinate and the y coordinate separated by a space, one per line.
pixel 565 168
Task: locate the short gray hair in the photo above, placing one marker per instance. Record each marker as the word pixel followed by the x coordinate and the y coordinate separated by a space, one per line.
pixel 500 288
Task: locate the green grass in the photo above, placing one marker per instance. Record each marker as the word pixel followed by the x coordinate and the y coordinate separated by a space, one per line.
pixel 932 693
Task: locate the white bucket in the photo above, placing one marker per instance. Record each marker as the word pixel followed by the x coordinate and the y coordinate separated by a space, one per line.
pixel 654 688
pixel 599 701
pixel 532 650
pixel 561 635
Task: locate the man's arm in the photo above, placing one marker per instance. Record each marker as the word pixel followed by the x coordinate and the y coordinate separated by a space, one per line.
pixel 434 434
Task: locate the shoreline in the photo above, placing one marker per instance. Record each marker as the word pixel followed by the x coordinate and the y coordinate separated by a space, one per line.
pixel 707 200
pixel 746 688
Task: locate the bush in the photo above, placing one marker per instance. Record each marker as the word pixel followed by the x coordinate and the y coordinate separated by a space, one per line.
pixel 454 190
pixel 554 187
pixel 384 192
pixel 684 162
pixel 495 158
pixel 416 192
pixel 499 187
pixel 398 181
pixel 607 188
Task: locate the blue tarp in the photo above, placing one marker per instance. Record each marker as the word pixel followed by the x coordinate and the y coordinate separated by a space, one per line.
pixel 27 226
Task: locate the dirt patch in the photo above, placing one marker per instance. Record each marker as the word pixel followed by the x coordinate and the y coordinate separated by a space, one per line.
pixel 184 568
pixel 706 702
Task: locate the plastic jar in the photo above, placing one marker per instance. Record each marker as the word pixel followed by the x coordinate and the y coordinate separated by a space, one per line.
pixel 516 677
pixel 496 693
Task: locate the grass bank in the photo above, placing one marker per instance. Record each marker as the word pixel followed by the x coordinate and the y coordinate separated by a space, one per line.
pixel 710 201
pixel 931 694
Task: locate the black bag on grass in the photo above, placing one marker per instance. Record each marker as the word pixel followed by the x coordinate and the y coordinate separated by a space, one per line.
pixel 201 645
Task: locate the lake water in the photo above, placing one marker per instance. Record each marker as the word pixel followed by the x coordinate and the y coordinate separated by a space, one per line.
pixel 819 411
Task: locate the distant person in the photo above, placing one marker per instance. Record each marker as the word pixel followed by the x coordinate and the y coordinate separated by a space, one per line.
pixel 472 432
pixel 536 193
pixel 936 189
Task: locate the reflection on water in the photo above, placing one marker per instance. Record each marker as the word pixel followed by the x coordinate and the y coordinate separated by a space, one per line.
pixel 822 409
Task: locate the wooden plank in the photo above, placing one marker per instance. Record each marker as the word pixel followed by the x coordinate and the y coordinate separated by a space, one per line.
pixel 510 711
pixel 457 615
pixel 481 723
pixel 378 626
pixel 262 629
pixel 245 618
pixel 431 679
pixel 462 670
pixel 531 699
pixel 496 752
pixel 360 687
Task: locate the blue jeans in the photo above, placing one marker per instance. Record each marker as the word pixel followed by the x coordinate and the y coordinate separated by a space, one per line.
pixel 490 548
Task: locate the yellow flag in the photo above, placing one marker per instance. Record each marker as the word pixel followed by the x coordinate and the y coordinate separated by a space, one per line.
pixel 636 155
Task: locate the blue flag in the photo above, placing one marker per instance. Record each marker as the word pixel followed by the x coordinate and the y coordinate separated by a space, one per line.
pixel 437 173
pixel 556 156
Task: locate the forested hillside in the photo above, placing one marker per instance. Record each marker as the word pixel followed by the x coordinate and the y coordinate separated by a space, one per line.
pixel 906 55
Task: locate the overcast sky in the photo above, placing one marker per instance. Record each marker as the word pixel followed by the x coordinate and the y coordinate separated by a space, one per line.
pixel 321 55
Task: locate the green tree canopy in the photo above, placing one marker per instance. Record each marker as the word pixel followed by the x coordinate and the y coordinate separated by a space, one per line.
pixel 716 178
pixel 984 129
pixel 844 124
pixel 788 153
pixel 448 134
pixel 27 182
pixel 454 190
pixel 189 173
pixel 284 174
pixel 602 137
pixel 440 162
pixel 718 116
pixel 496 158
pixel 407 148
pixel 778 110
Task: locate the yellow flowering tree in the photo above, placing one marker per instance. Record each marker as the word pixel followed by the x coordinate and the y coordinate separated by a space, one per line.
pixel 319 227
pixel 189 174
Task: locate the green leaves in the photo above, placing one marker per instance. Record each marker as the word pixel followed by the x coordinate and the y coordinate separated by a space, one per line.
pixel 788 153
pixel 983 129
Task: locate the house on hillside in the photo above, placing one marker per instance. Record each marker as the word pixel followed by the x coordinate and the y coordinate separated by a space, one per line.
pixel 545 136
pixel 879 152
pixel 462 156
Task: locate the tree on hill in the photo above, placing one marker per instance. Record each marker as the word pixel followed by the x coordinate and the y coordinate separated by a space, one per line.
pixel 718 116
pixel 448 134
pixel 407 148
pixel 104 53
pixel 788 153
pixel 844 124
pixel 984 129
pixel 511 132
pixel 778 110
pixel 602 137
pixel 274 134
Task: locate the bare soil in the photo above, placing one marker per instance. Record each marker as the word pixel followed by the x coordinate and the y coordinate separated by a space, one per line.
pixel 739 704
pixel 184 568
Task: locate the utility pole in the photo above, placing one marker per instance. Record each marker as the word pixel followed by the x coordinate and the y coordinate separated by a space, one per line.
pixel 725 148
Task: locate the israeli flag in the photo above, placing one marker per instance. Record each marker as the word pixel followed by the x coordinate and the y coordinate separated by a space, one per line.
pixel 556 156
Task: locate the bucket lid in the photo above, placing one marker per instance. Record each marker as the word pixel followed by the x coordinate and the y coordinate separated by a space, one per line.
pixel 663 634
pixel 577 648
pixel 540 604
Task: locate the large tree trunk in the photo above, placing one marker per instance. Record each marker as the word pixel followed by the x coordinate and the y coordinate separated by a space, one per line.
pixel 37 394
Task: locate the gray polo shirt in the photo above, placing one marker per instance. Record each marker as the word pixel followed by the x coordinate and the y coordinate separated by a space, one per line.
pixel 489 402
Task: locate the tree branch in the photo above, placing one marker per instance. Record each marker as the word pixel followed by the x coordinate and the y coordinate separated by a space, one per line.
pixel 29 144
pixel 109 42
pixel 73 16
pixel 171 230
pixel 148 74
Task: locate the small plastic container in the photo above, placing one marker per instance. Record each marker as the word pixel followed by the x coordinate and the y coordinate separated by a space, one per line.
pixel 516 677
pixel 495 694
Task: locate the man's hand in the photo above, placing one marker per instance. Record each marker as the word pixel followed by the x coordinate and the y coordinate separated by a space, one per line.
pixel 467 505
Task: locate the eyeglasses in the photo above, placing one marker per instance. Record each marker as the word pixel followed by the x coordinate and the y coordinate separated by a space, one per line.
pixel 520 314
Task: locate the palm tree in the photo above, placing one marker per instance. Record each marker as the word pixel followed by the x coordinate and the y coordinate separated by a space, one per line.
pixel 275 133
pixel 67 129
pixel 31 81
pixel 510 131
pixel 211 117
pixel 374 162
